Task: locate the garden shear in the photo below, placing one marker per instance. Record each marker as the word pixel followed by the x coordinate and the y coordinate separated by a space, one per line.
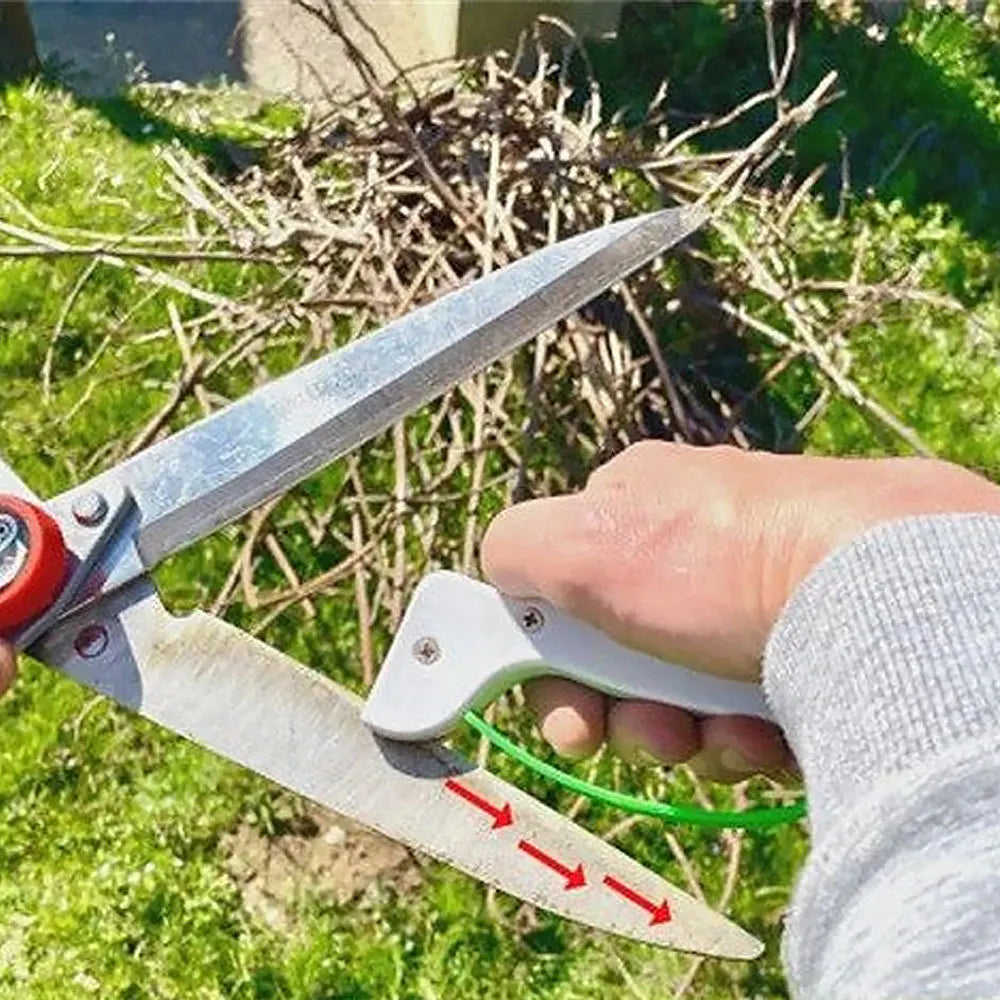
pixel 75 593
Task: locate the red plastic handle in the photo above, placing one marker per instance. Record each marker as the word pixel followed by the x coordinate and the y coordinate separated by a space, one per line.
pixel 40 579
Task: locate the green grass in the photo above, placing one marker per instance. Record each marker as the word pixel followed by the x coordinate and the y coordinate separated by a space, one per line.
pixel 112 878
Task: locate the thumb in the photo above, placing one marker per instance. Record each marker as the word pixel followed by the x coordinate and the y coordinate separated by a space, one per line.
pixel 538 548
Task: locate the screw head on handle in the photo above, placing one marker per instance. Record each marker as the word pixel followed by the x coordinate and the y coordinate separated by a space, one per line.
pixel 426 650
pixel 532 618
pixel 33 559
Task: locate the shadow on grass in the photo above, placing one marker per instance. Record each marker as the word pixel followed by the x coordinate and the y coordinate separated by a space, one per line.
pixel 142 126
pixel 89 52
pixel 906 128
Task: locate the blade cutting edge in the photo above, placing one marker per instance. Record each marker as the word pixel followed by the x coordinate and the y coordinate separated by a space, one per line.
pixel 199 479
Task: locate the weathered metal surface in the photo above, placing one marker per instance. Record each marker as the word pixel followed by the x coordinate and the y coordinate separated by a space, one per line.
pixel 197 480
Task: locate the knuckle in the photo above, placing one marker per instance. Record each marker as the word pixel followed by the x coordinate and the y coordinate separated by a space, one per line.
pixel 630 462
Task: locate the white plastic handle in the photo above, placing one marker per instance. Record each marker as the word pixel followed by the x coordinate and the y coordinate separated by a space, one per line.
pixel 461 643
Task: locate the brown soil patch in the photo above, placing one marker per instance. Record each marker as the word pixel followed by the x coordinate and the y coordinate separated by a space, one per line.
pixel 323 855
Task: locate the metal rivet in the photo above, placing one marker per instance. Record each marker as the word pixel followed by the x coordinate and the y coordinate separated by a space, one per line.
pixel 90 508
pixel 91 641
pixel 426 650
pixel 532 619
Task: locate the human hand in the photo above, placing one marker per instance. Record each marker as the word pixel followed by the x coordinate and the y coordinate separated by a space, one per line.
pixel 690 554
pixel 8 665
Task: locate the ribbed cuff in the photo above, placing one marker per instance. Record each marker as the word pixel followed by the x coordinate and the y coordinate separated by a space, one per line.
pixel 888 654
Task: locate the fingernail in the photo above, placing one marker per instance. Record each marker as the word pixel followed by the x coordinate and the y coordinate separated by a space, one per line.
pixel 734 762
pixel 567 734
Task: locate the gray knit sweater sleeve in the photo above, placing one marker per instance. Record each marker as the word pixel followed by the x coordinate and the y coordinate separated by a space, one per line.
pixel 884 671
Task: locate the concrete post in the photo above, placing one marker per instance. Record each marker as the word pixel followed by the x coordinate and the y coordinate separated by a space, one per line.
pixel 274 44
pixel 18 57
pixel 285 49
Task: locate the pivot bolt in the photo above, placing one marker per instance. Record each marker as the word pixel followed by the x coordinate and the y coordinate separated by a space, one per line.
pixel 90 508
pixel 426 651
pixel 32 562
pixel 8 532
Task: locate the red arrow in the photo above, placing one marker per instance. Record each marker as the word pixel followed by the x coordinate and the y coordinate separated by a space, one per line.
pixel 501 817
pixel 658 914
pixel 574 876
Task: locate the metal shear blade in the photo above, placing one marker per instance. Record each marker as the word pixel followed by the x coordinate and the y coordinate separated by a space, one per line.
pixel 192 483
pixel 212 683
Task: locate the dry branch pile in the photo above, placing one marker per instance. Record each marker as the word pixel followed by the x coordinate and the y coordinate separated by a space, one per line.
pixel 395 197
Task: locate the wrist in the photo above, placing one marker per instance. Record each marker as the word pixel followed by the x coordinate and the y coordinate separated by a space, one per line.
pixel 870 493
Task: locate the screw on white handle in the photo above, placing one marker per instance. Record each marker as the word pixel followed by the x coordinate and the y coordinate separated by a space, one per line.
pixel 462 643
